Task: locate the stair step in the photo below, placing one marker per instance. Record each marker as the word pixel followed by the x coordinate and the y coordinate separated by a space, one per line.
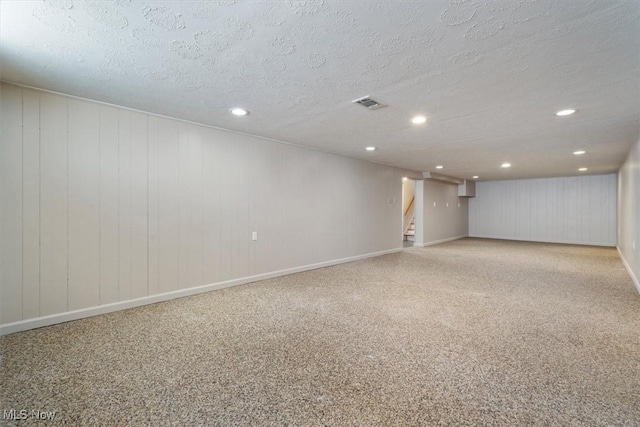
pixel 410 233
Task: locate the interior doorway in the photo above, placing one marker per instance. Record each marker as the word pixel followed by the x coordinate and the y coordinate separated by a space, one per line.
pixel 408 211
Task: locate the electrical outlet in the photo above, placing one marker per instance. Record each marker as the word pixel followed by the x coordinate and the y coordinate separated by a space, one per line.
pixel 458 204
pixel 447 204
pixel 254 235
pixel 434 204
pixel 634 245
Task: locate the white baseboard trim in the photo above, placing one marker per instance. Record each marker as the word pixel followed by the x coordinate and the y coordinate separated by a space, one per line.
pixel 38 322
pixel 634 278
pixel 562 242
pixel 437 242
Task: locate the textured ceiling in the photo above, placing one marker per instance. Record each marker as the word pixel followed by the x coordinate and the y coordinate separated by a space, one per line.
pixel 488 74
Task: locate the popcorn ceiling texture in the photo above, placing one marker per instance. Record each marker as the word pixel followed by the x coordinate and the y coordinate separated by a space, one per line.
pixel 446 335
pixel 488 74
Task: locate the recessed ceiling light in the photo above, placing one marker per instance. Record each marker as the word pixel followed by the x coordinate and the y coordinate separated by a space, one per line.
pixel 577 153
pixel 370 148
pixel 566 112
pixel 506 165
pixel 404 178
pixel 475 177
pixel 439 167
pixel 238 111
pixel 418 120
pixel 582 169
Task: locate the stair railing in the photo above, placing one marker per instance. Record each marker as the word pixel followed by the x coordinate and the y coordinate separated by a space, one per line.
pixel 408 216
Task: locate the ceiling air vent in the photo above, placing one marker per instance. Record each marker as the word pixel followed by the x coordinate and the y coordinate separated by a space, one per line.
pixel 369 103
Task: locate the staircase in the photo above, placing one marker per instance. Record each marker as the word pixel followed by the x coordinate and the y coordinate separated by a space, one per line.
pixel 410 233
pixel 408 223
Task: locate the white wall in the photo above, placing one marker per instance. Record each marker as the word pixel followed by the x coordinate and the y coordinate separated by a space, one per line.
pixel 580 210
pixel 629 212
pixel 445 216
pixel 102 205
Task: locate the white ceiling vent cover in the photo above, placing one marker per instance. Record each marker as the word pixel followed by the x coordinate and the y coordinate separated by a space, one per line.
pixel 370 103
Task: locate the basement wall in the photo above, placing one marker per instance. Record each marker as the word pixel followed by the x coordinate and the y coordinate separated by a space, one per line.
pixel 629 213
pixel 577 210
pixel 105 208
pixel 445 215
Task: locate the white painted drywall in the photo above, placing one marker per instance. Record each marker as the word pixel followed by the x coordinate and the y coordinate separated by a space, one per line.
pixel 629 212
pixel 445 216
pixel 102 205
pixel 579 210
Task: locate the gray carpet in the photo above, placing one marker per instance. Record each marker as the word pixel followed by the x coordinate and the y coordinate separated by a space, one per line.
pixel 472 332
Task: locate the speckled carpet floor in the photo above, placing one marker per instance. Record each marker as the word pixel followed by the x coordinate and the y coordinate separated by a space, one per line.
pixel 472 332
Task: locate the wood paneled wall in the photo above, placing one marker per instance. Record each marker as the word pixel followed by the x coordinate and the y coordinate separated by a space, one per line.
pixel 579 210
pixel 102 204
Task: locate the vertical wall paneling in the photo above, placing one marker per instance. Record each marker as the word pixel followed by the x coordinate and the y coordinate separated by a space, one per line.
pixel 355 205
pixel 570 208
pixel 343 203
pixel 11 196
pixel 523 208
pixel 313 187
pixel 253 222
pixel 358 237
pixel 139 205
pixel 211 207
pixel 124 205
pixel 109 205
pixel 557 224
pixel 194 212
pixel 305 192
pixel 260 180
pixel 294 199
pixel 277 239
pixel 610 203
pixel 84 205
pixel 53 204
pixel 564 210
pixel 599 197
pixel 325 233
pixel 291 199
pixel 168 205
pixel 183 207
pixel 102 205
pixel 226 208
pixel 349 203
pixel 329 237
pixel 241 235
pixel 153 205
pixel 30 204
